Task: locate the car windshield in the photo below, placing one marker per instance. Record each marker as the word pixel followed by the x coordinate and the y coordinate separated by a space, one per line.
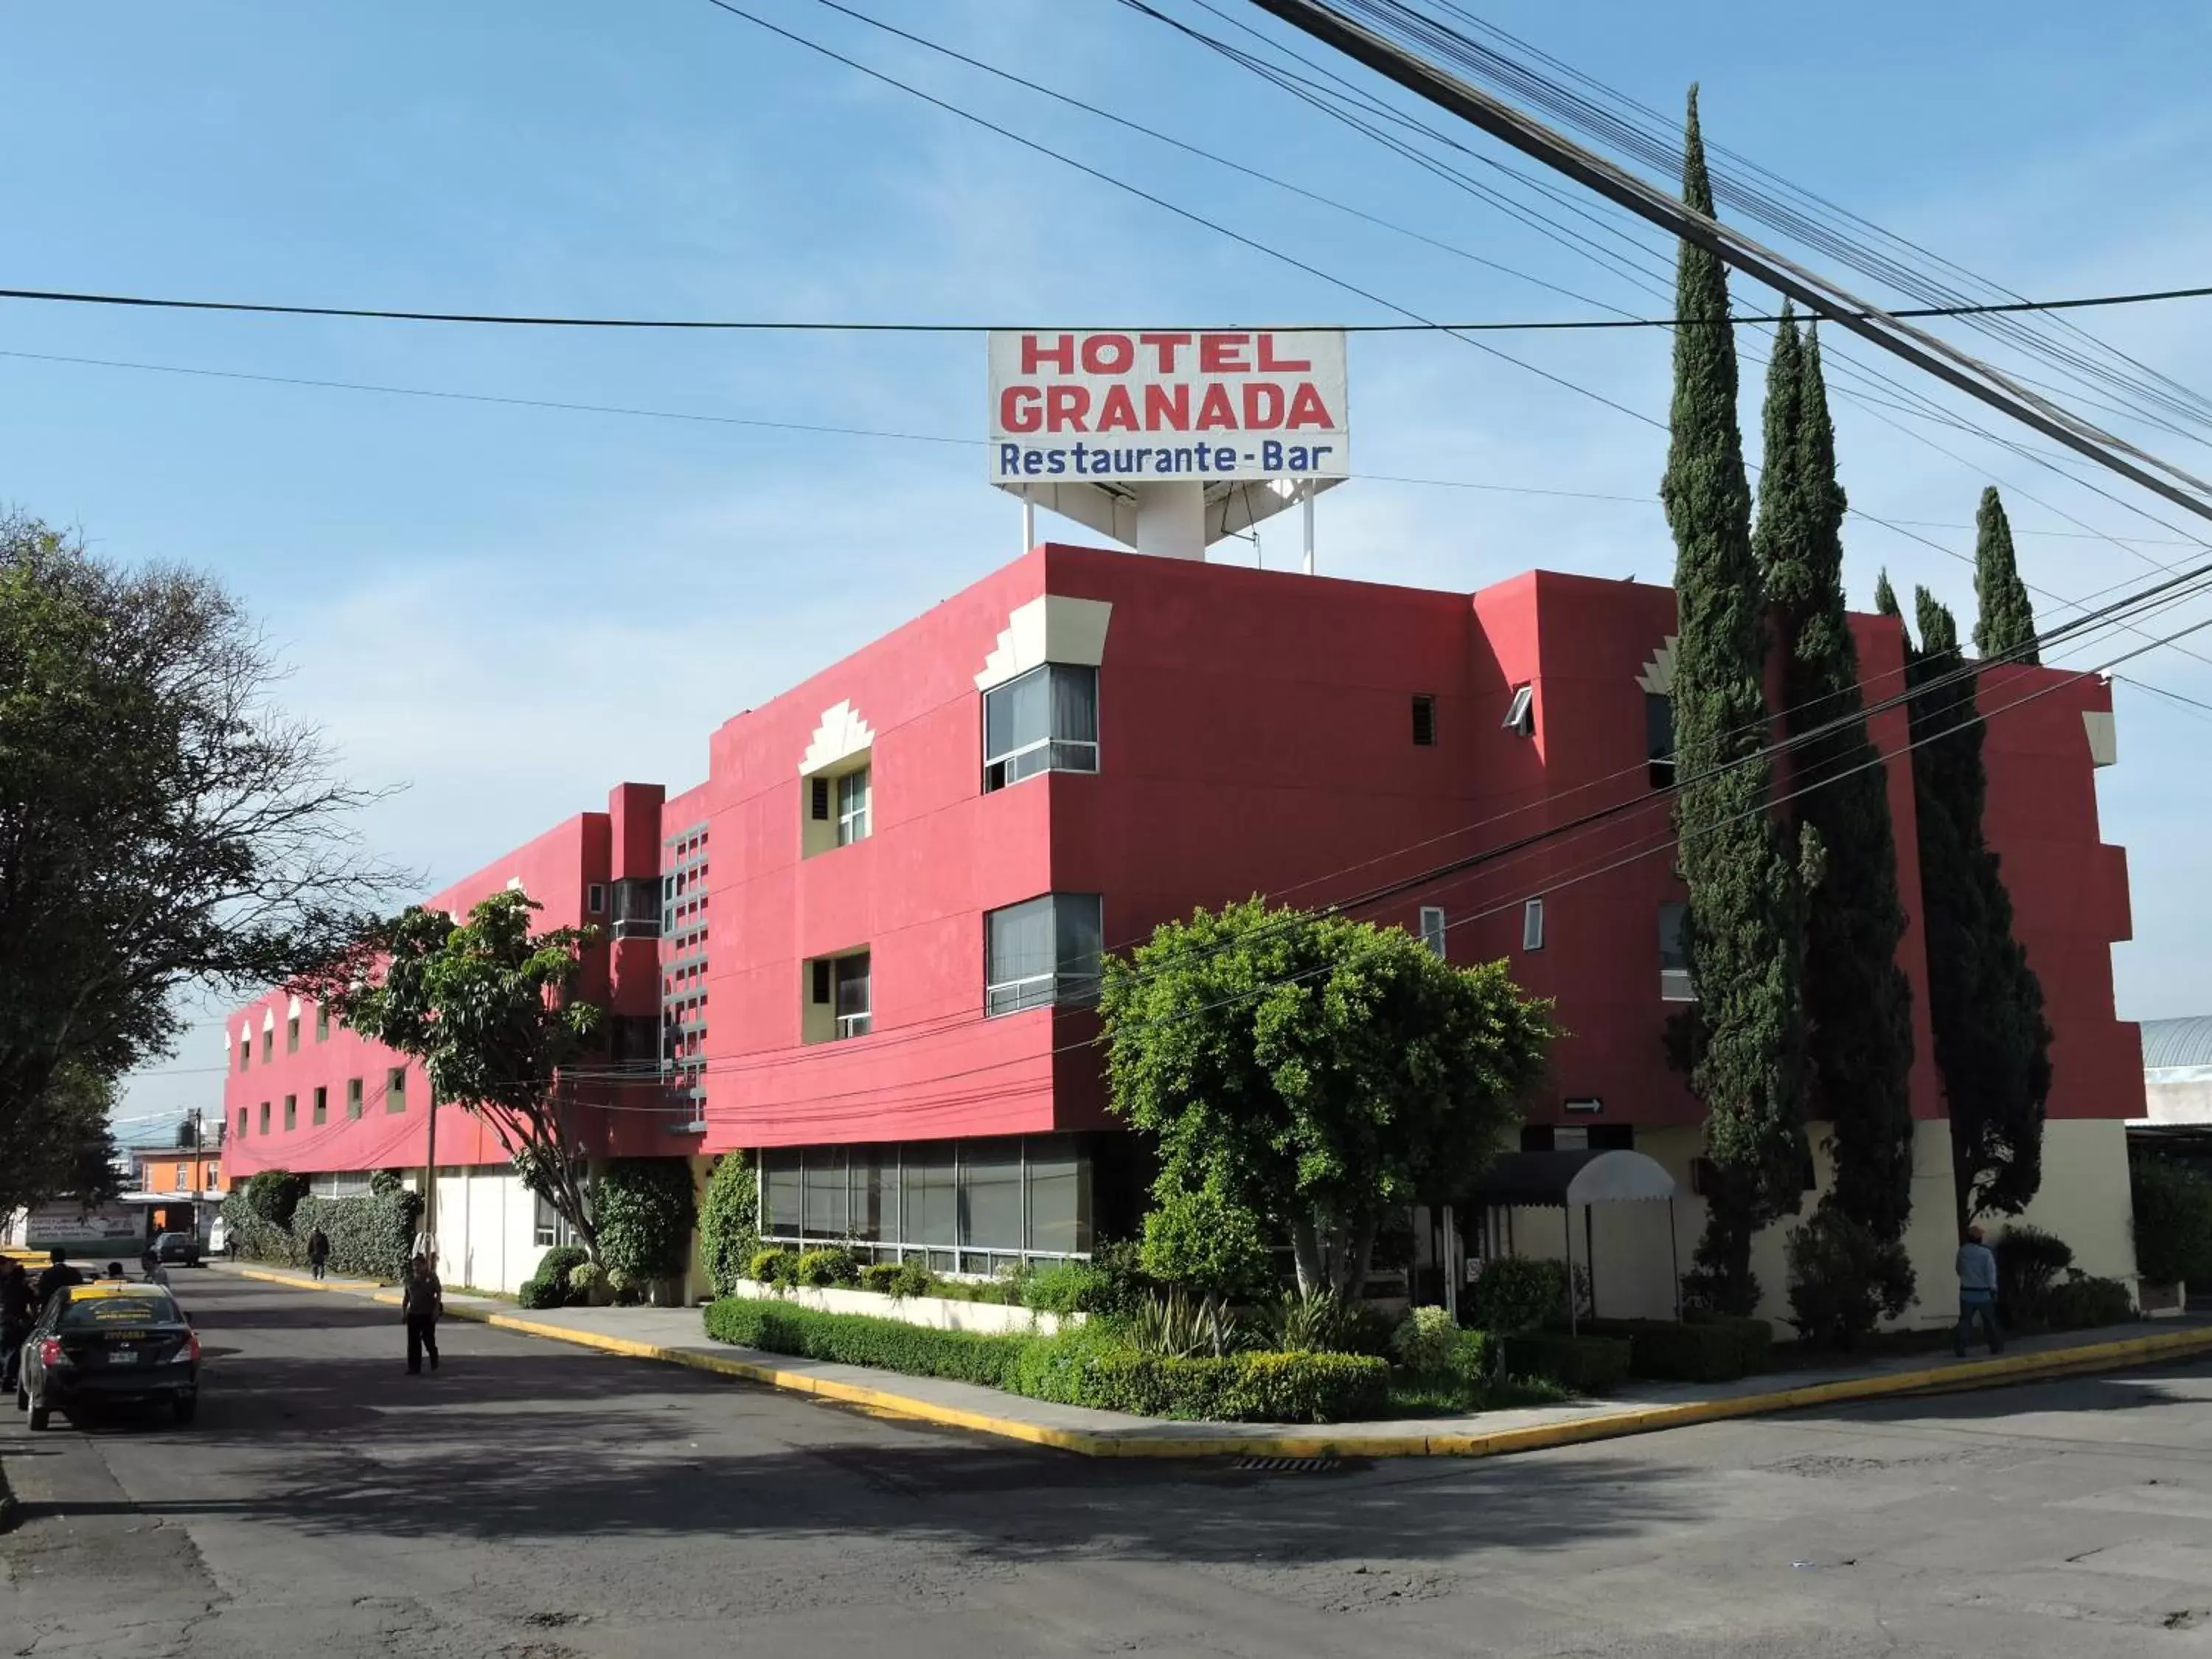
pixel 102 1312
pixel 171 1238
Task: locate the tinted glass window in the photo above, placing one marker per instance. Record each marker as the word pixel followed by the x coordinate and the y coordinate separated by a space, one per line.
pixel 90 1313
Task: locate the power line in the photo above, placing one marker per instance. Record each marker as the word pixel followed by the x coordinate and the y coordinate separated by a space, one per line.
pixel 781 325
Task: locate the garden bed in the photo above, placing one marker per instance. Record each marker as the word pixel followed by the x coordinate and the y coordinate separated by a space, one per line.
pixel 937 1312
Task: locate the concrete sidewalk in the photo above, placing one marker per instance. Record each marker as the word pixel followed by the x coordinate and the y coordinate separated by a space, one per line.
pixel 675 1336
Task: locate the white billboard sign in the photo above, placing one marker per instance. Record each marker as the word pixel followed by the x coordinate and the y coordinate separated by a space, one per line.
pixel 1105 406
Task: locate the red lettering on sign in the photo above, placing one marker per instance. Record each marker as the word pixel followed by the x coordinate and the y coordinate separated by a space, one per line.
pixel 1307 409
pixel 1108 354
pixel 1066 409
pixel 1118 410
pixel 1060 354
pixel 1223 354
pixel 1167 408
pixel 1216 410
pixel 1018 410
pixel 1165 344
pixel 1271 364
pixel 1263 405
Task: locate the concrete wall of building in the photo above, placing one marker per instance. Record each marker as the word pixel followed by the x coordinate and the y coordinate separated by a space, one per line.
pixel 2086 1199
pixel 486 1222
pixel 2188 1101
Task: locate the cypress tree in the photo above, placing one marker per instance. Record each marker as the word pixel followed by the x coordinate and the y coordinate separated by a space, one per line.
pixel 1858 1000
pixel 1885 604
pixel 2004 625
pixel 1985 1002
pixel 1742 1042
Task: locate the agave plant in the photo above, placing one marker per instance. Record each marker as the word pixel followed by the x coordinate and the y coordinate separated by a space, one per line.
pixel 1318 1321
pixel 1178 1326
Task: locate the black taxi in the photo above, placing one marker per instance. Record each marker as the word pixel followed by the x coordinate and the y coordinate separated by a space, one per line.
pixel 111 1342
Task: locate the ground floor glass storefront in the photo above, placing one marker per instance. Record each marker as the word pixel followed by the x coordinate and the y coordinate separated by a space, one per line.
pixel 973 1206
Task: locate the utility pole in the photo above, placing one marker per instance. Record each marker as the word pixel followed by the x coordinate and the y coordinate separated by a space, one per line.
pixel 430 1177
pixel 1923 350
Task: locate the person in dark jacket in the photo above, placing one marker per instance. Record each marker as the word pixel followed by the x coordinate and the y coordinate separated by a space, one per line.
pixel 421 1301
pixel 17 1313
pixel 318 1251
pixel 59 1276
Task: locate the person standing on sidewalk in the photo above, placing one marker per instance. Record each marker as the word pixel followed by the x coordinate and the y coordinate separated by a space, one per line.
pixel 17 1313
pixel 1978 1293
pixel 318 1251
pixel 421 1301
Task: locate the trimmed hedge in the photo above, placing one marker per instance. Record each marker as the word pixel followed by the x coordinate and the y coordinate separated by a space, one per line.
pixel 644 1208
pixel 369 1236
pixel 548 1286
pixel 2173 1220
pixel 859 1340
pixel 1755 1338
pixel 1660 1351
pixel 729 1222
pixel 1588 1364
pixel 2084 1302
pixel 1085 1366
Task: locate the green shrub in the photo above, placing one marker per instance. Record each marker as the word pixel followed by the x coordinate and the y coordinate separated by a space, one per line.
pixel 1587 1364
pixel 1843 1281
pixel 772 1265
pixel 914 1278
pixel 820 1269
pixel 1199 1240
pixel 1178 1325
pixel 1308 1321
pixel 879 1277
pixel 729 1222
pixel 1066 1287
pixel 273 1194
pixel 643 1208
pixel 1474 1357
pixel 1517 1293
pixel 537 1294
pixel 1123 1283
pixel 2173 1221
pixel 1426 1341
pixel 1057 1368
pixel 2029 1262
pixel 587 1285
pixel 548 1287
pixel 628 1286
pixel 1661 1351
pixel 2082 1302
pixel 889 1345
pixel 1755 1338
pixel 1242 1388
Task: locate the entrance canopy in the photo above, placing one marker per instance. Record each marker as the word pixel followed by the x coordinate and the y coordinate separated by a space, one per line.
pixel 1532 1180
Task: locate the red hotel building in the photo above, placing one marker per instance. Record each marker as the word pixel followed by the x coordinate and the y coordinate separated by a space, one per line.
pixel 866 937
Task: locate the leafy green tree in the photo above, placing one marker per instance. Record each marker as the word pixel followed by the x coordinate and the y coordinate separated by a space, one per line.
pixel 62 1146
pixel 1318 1071
pixel 1985 1002
pixel 644 1208
pixel 488 1007
pixel 1742 1043
pixel 729 1221
pixel 162 826
pixel 2004 622
pixel 1857 1001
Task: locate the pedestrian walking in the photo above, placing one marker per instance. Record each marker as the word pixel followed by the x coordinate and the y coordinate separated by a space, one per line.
pixel 17 1313
pixel 57 1277
pixel 1978 1293
pixel 318 1251
pixel 421 1301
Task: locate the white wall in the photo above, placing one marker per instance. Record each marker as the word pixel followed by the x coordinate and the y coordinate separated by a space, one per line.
pixel 486 1226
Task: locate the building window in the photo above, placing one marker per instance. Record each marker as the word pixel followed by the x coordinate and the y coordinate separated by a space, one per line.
pixel 1042 952
pixel 1520 713
pixel 395 1089
pixel 1532 924
pixel 269 1041
pixel 1659 738
pixel 264 1117
pixel 966 1207
pixel 1045 720
pixel 322 1024
pixel 853 808
pixel 291 1112
pixel 1424 722
pixel 1673 954
pixel 241 1119
pixel 853 1000
pixel 1433 928
pixel 244 1052
pixel 637 908
pixel 549 1227
pixel 292 1035
pixel 322 1107
pixel 838 1002
pixel 595 899
pixel 353 1098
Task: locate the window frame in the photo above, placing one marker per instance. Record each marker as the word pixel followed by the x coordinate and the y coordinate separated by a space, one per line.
pixel 855 822
pixel 319 1112
pixel 1425 720
pixel 1436 931
pixel 356 1101
pixel 1058 980
pixel 1675 984
pixel 1520 712
pixel 858 1022
pixel 395 1090
pixel 997 775
pixel 1532 924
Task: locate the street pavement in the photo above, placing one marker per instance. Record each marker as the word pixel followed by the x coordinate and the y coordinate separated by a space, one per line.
pixel 534 1500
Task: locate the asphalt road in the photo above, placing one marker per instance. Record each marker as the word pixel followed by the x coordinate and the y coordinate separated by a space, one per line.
pixel 536 1501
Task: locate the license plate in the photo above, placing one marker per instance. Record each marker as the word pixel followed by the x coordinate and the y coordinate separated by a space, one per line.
pixel 123 1356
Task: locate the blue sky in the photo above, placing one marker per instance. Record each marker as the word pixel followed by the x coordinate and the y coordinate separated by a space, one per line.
pixel 506 609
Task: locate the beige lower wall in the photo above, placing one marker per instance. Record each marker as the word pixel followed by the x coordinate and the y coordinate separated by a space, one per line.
pixel 2084 1201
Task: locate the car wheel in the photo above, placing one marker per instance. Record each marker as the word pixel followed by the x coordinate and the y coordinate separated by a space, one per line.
pixel 39 1417
pixel 185 1407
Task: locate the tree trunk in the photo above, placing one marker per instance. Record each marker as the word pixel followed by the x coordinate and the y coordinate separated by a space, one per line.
pixel 1358 1258
pixel 1306 1251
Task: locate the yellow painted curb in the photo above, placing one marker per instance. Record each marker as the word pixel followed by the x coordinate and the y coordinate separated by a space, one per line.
pixel 1204 1442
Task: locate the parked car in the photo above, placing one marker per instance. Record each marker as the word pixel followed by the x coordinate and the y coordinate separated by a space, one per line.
pixel 111 1342
pixel 177 1251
